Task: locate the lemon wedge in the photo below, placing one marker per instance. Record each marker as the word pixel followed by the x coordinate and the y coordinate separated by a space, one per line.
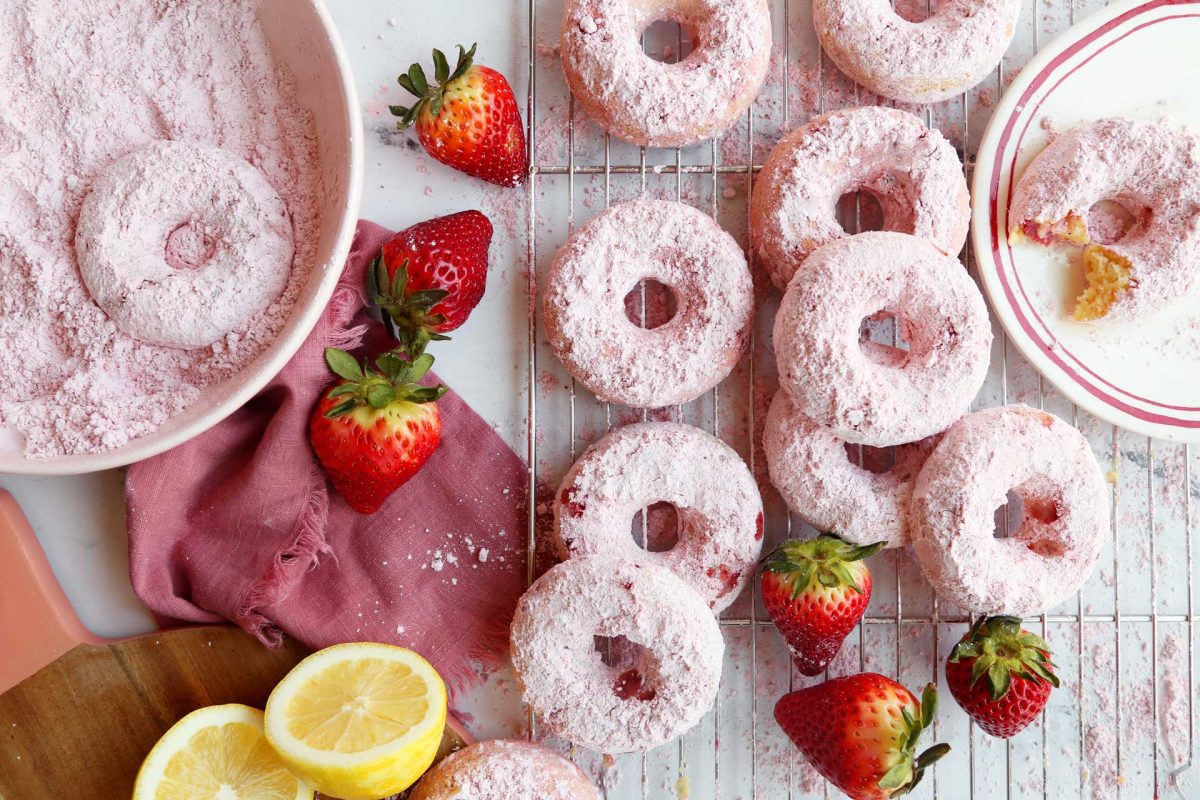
pixel 218 751
pixel 358 721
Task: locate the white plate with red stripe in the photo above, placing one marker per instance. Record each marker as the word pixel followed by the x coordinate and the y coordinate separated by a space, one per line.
pixel 1139 60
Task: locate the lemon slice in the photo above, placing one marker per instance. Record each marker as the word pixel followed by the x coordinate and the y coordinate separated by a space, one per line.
pixel 358 721
pixel 217 752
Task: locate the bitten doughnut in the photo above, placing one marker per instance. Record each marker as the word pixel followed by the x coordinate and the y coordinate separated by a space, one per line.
pixel 715 498
pixel 980 459
pixel 838 384
pixel 666 105
pixel 916 62
pixel 665 667
pixel 505 769
pixel 1152 172
pixel 811 469
pixel 681 248
pixel 910 169
pixel 181 244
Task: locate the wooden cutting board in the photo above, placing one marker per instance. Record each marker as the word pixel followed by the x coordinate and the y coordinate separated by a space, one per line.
pixel 80 713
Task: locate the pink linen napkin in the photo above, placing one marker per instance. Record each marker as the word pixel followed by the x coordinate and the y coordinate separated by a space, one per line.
pixel 240 523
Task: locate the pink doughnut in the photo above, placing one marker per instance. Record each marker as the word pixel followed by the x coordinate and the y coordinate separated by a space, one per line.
pixel 505 769
pixel 720 531
pixel 911 170
pixel 812 471
pixel 837 384
pixel 916 62
pixel 981 458
pixel 666 673
pixel 1151 171
pixel 666 105
pixel 678 246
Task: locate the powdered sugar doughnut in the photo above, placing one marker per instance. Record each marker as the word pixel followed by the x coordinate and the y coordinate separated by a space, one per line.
pixel 980 459
pixel 911 170
pixel 666 669
pixel 837 384
pixel 505 769
pixel 916 62
pixel 678 246
pixel 181 244
pixel 1150 170
pixel 665 105
pixel 811 469
pixel 714 495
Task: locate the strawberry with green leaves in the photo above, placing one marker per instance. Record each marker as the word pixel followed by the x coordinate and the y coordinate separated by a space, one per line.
pixel 1001 675
pixel 376 427
pixel 429 278
pixel 816 591
pixel 860 732
pixel 467 119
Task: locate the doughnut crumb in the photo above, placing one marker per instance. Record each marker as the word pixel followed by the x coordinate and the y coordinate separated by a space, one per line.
pixel 1109 275
pixel 1071 228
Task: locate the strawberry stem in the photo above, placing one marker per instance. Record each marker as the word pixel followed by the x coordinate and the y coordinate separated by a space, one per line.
pixel 1000 649
pixel 824 558
pixel 392 379
pixel 411 315
pixel 415 83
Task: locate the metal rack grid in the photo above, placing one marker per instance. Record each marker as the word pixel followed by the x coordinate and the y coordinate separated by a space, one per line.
pixel 1111 641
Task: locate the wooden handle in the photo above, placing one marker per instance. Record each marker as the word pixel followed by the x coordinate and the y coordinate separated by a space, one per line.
pixel 37 623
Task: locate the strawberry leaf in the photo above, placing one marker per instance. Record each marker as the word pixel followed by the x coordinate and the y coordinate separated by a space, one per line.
pixel 441 69
pixel 407 84
pixel 420 366
pixel 342 408
pixel 343 364
pixel 416 76
pixel 898 776
pixel 398 111
pixel 931 755
pixel 392 366
pixel 928 705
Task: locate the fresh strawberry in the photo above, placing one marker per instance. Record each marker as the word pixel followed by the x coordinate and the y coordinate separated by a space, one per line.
pixel 861 733
pixel 376 427
pixel 1018 671
pixel 429 278
pixel 467 119
pixel 816 592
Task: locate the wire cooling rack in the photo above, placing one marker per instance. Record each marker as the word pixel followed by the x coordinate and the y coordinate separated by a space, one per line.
pixel 1123 723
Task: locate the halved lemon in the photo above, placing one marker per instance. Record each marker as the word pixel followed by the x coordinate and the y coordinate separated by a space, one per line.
pixel 218 751
pixel 358 721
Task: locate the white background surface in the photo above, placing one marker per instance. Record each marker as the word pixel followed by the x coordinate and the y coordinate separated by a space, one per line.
pixel 737 751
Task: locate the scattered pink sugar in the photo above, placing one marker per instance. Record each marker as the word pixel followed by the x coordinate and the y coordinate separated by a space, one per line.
pixel 70 381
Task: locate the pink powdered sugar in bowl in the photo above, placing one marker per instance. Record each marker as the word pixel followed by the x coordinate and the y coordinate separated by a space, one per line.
pixel 84 85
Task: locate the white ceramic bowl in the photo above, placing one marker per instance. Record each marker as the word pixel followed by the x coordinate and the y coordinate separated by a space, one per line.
pixel 302 37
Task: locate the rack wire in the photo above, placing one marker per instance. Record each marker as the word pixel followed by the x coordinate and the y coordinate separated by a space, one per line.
pixel 1122 726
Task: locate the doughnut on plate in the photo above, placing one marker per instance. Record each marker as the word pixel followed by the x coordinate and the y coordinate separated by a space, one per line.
pixel 1135 60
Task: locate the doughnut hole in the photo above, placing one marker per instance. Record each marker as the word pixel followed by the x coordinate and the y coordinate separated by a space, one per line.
pixel 1028 515
pixel 913 10
pixel 655 528
pixel 626 661
pixel 651 304
pixel 668 41
pixel 859 210
pixel 877 460
pixel 1109 220
pixel 886 338
pixel 190 246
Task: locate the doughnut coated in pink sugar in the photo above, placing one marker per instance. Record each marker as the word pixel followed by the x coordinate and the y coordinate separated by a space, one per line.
pixel 813 472
pixel 681 248
pixel 1151 170
pixel 664 673
pixel 912 171
pixel 851 391
pixel 666 105
pixel 505 769
pixel 715 498
pixel 960 43
pixel 85 84
pixel 980 459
